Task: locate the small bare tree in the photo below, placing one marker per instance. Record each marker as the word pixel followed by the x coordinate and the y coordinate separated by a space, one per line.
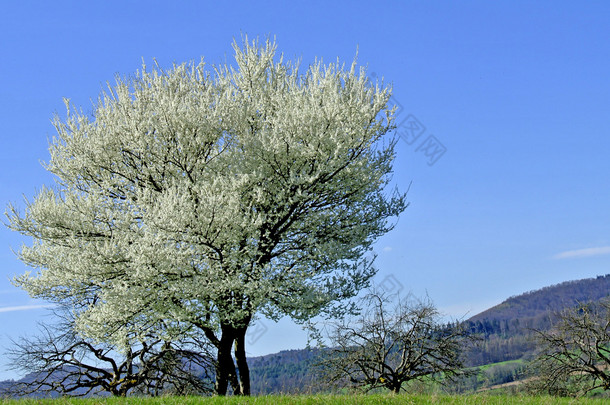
pixel 574 356
pixel 393 341
pixel 61 361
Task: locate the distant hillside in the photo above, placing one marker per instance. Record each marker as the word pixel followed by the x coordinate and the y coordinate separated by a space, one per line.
pixel 288 372
pixel 552 298
pixel 508 328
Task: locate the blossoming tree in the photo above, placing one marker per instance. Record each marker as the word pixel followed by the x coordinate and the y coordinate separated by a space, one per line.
pixel 208 197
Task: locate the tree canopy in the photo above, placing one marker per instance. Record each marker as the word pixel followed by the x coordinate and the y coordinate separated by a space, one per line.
pixel 205 197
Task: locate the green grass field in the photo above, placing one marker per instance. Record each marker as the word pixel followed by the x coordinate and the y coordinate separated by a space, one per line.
pixel 317 399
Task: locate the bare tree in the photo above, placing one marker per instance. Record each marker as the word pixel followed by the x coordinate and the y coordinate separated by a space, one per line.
pixel 574 356
pixel 61 361
pixel 391 342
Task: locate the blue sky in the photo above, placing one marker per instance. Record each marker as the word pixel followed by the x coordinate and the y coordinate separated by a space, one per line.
pixel 509 180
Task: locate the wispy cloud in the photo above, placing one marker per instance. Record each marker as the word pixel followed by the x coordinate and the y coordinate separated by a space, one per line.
pixel 596 251
pixel 25 307
pixel 387 249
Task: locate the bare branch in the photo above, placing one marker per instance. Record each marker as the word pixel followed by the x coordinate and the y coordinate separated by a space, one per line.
pixel 392 342
pixel 573 358
pixel 61 361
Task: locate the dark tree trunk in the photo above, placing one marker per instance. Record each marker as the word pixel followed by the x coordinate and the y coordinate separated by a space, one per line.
pixel 242 363
pixel 225 368
pixel 226 372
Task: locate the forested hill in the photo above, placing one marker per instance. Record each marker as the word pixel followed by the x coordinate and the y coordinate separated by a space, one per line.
pixel 553 298
pixel 508 328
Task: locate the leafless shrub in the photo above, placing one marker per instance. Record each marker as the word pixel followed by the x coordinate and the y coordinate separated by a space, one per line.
pixel 393 341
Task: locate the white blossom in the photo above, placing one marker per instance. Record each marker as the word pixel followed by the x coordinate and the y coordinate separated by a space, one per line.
pixel 213 195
